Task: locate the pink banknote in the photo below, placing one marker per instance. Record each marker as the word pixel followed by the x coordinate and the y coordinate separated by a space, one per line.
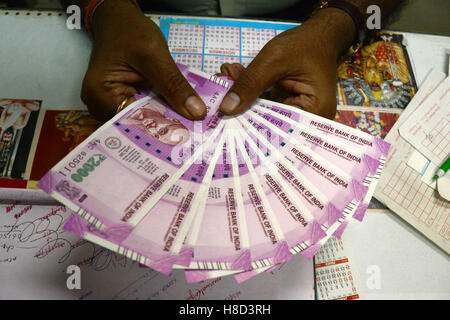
pixel 218 196
pixel 358 166
pixel 326 189
pixel 268 244
pixel 301 225
pixel 318 197
pixel 295 221
pixel 219 235
pixel 364 142
pixel 120 172
pixel 157 241
pixel 354 160
pixel 352 146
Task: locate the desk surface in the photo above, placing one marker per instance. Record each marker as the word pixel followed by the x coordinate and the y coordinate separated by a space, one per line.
pixel 41 59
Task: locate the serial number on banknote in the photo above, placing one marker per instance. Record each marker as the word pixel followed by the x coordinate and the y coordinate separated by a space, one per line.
pixel 78 170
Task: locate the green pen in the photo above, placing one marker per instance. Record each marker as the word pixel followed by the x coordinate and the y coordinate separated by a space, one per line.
pixel 443 169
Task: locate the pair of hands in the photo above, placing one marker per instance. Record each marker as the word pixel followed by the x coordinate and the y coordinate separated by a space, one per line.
pixel 131 53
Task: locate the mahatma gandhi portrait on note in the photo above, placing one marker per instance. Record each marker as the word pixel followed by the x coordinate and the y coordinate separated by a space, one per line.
pixel 151 119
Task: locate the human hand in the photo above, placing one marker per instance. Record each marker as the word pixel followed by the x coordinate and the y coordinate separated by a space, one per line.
pixel 131 53
pixel 300 62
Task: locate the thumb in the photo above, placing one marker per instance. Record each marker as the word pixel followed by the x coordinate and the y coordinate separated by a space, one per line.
pixel 163 74
pixel 250 84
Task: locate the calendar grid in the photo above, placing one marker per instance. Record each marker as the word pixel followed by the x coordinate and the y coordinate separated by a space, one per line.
pixel 203 49
pixel 221 41
pixel 408 191
pixel 240 45
pixel 334 277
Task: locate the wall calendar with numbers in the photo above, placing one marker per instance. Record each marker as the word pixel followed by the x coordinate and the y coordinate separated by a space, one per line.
pixel 334 277
pixel 205 44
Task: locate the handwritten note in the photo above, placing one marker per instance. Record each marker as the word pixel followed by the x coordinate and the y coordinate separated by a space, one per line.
pixel 35 253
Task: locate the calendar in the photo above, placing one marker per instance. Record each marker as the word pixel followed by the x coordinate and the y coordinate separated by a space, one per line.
pixel 206 44
pixel 334 277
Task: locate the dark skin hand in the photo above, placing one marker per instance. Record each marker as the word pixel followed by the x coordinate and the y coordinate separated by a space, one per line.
pixel 130 53
pixel 305 73
pixel 300 63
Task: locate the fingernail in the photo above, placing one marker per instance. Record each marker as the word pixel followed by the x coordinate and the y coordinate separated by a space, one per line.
pixel 230 102
pixel 195 106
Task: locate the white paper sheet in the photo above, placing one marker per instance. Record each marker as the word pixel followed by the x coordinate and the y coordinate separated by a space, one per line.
pixel 392 260
pixel 427 129
pixel 424 167
pixel 34 267
pixel 400 187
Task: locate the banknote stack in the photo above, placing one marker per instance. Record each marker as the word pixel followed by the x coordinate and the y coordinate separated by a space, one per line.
pixel 226 195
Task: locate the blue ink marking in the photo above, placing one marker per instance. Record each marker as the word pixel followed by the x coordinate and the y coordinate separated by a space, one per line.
pixel 425 168
pixel 87 294
pixel 133 287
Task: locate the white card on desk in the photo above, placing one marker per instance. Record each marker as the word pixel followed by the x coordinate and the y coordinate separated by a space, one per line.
pixel 35 253
pixel 424 167
pixel 428 127
pixel 391 261
pixel 443 186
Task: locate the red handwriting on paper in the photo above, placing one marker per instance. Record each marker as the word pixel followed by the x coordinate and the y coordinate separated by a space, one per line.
pixel 201 292
pixel 233 295
pixel 85 262
pixel 10 208
pixel 78 243
pixel 50 247
pixel 23 211
pixel 53 212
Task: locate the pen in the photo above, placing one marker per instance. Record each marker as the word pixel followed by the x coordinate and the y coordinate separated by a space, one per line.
pixel 443 169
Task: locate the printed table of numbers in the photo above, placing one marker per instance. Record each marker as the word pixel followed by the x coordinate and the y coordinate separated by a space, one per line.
pixel 334 278
pixel 206 44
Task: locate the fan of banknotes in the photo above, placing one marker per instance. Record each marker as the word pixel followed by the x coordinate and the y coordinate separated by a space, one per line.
pixel 226 195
